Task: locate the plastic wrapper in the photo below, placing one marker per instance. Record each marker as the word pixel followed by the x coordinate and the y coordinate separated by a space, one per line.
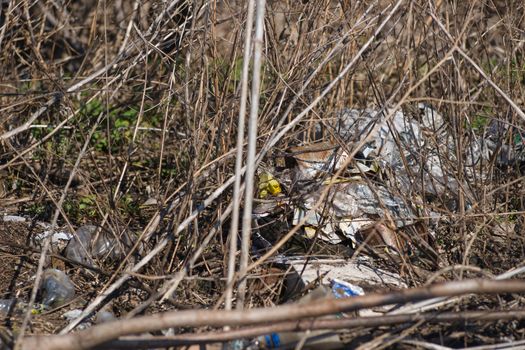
pixel 359 271
pixel 407 161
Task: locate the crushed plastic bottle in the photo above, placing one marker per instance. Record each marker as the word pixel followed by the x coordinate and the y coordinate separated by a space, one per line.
pixel 57 288
pixel 14 306
pixel 79 247
pixel 88 244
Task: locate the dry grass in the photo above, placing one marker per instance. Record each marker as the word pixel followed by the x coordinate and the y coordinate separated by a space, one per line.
pixel 152 88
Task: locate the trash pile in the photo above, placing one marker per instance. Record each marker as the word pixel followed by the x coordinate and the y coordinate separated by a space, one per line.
pixel 367 194
pixel 391 166
pixel 391 169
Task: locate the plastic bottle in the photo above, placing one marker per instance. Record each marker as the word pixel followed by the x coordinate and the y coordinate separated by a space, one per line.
pixel 57 288
pixel 319 340
pixel 88 244
pixel 6 305
pixel 79 248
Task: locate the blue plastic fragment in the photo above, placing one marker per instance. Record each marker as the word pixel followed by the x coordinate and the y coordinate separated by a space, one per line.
pixel 270 341
pixel 342 289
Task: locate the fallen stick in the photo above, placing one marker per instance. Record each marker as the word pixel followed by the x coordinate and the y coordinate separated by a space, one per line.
pixel 103 333
pixel 147 342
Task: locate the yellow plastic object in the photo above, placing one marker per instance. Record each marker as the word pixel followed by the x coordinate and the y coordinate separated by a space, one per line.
pixel 268 185
pixel 310 232
pixel 37 309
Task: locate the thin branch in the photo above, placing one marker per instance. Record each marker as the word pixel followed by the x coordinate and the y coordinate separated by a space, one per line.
pixel 25 126
pixel 238 161
pixel 252 144
pixel 514 106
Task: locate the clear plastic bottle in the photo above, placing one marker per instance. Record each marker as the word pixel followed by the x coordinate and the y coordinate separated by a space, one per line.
pixel 321 339
pixel 6 305
pixel 57 288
